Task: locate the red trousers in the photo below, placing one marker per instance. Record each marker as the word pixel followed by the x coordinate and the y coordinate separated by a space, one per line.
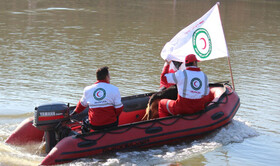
pixel 167 107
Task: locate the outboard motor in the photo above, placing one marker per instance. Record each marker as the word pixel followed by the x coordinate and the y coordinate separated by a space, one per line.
pixel 51 118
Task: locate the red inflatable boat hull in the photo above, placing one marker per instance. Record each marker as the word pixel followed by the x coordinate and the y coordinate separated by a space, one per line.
pixel 25 133
pixel 146 133
pixel 134 133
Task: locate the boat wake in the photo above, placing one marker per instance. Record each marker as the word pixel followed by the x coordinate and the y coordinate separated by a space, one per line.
pixel 11 155
pixel 17 155
pixel 235 132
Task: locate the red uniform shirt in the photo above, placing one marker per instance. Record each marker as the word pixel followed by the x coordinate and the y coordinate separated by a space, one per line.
pixel 104 102
pixel 163 81
pixel 193 92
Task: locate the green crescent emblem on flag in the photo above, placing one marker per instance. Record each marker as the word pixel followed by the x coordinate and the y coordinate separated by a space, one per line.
pixel 202 43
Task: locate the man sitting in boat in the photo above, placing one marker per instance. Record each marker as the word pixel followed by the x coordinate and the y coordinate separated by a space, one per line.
pixel 193 90
pixel 104 101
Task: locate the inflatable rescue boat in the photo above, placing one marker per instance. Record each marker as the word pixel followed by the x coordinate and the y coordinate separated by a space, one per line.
pixel 51 122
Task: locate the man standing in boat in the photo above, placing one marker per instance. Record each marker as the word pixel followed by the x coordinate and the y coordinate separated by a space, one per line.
pixel 104 102
pixel 193 90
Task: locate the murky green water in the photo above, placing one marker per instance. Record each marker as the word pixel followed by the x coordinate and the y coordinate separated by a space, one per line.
pixel 50 50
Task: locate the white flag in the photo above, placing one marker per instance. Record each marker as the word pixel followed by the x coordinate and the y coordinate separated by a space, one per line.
pixel 204 38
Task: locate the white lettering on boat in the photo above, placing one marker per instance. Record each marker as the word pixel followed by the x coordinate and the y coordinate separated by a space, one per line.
pixel 50 114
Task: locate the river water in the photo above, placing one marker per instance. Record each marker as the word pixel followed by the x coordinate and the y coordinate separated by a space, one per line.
pixel 50 50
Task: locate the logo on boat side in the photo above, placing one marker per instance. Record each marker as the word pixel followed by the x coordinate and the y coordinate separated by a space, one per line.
pixel 196 83
pixel 202 43
pixel 99 94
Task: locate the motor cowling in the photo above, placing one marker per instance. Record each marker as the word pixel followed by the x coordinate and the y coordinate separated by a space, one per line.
pixel 51 118
pixel 48 116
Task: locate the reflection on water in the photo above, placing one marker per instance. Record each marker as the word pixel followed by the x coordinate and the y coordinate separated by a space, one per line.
pixel 50 50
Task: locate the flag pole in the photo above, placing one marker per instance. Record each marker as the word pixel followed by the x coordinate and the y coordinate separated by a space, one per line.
pixel 231 75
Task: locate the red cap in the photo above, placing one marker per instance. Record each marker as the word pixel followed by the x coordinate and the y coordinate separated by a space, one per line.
pixel 190 58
